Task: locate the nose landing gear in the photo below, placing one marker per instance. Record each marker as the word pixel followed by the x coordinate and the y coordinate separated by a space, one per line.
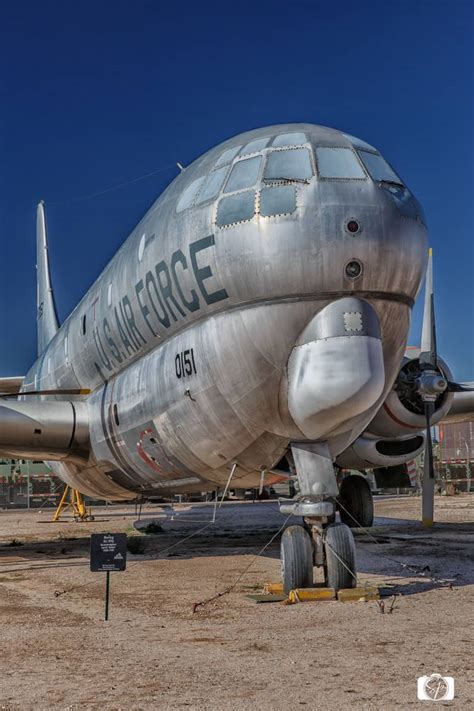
pixel 331 548
pixel 321 543
pixel 296 555
pixel 340 564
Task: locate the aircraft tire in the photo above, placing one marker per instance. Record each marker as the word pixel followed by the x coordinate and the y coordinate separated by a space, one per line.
pixel 355 496
pixel 296 555
pixel 340 567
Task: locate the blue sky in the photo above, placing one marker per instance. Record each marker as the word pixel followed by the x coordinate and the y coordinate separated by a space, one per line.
pixel 93 94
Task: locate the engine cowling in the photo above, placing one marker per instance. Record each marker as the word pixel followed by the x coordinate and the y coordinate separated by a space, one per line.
pixel 374 452
pixel 397 432
pixel 402 413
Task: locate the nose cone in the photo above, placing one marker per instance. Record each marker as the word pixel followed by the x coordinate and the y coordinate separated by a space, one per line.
pixel 336 369
pixel 362 225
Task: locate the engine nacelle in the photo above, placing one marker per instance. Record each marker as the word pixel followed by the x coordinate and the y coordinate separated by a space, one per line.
pixel 402 413
pixel 397 432
pixel 371 453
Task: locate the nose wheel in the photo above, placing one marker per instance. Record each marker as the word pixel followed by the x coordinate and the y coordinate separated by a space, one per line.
pixel 331 547
pixel 340 558
pixel 296 555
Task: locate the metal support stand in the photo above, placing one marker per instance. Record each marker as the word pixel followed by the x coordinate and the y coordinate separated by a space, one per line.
pixel 107 593
pixel 73 499
pixel 232 472
pixel 427 496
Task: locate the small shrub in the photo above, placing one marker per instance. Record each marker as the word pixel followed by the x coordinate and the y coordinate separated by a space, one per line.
pixel 152 528
pixel 15 542
pixel 135 545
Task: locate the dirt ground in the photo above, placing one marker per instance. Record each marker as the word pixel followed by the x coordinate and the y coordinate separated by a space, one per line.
pixel 57 652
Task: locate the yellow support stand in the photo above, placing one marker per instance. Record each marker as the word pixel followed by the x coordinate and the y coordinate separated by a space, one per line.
pixel 76 503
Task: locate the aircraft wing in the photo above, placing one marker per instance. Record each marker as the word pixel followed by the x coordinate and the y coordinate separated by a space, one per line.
pixel 462 409
pixel 11 385
pixel 46 430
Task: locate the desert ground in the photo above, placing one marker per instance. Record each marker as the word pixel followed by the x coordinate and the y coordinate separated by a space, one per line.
pixel 160 651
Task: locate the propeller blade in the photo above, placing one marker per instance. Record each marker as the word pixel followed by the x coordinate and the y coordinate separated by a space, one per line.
pixel 458 388
pixel 429 355
pixel 428 462
pixel 73 391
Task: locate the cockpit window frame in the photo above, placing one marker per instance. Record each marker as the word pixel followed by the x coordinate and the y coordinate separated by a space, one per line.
pixel 274 187
pixel 380 180
pixel 188 196
pixel 296 144
pixel 260 157
pixel 227 156
pixel 287 179
pixel 226 170
pixel 347 148
pixel 229 197
pixel 258 145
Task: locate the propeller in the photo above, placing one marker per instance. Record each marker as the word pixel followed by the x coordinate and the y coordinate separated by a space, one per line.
pixel 431 383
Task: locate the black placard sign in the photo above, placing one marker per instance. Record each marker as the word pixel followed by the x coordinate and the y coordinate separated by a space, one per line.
pixel 108 552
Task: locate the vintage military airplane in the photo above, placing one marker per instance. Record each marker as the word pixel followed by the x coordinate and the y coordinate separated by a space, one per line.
pixel 256 316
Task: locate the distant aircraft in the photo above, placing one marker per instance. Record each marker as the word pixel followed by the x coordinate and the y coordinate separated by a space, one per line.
pixel 254 324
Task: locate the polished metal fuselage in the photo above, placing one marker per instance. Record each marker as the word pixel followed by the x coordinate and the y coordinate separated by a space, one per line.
pixel 185 337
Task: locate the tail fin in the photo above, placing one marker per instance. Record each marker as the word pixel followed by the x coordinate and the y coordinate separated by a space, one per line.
pixel 47 319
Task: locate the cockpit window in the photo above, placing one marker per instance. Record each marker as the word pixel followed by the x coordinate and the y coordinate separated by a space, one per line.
pixel 277 200
pixel 255 146
pixel 228 156
pixel 378 167
pixel 358 143
pixel 236 208
pixel 339 163
pixel 244 174
pixel 289 139
pixel 291 164
pixel 188 195
pixel 212 185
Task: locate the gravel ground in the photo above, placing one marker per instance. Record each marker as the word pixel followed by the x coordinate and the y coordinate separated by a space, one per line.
pixel 57 652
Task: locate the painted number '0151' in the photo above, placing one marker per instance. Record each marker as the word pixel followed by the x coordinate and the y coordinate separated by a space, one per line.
pixel 184 363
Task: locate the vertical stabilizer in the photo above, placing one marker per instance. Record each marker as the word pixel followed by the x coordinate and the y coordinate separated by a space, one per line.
pixel 46 316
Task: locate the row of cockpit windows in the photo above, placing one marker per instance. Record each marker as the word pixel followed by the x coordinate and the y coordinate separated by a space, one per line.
pixel 241 207
pixel 285 164
pixel 285 161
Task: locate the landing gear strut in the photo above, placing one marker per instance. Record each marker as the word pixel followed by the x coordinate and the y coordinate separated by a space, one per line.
pixel 321 542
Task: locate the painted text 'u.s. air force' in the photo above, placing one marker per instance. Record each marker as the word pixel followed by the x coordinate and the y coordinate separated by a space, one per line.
pixel 161 299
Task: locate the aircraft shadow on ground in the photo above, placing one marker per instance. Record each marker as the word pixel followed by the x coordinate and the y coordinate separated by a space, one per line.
pixel 393 544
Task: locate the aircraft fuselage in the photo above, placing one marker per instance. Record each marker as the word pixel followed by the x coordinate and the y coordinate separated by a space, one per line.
pixel 186 336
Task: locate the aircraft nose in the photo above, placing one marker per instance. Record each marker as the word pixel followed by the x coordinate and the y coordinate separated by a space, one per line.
pixel 336 368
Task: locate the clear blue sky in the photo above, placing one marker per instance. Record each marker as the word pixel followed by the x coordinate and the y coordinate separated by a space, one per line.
pixel 95 93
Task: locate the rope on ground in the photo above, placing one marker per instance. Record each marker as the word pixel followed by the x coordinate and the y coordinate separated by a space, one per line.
pixel 415 569
pixel 231 587
pixel 58 593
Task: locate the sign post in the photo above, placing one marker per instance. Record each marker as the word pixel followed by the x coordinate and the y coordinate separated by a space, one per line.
pixel 108 555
